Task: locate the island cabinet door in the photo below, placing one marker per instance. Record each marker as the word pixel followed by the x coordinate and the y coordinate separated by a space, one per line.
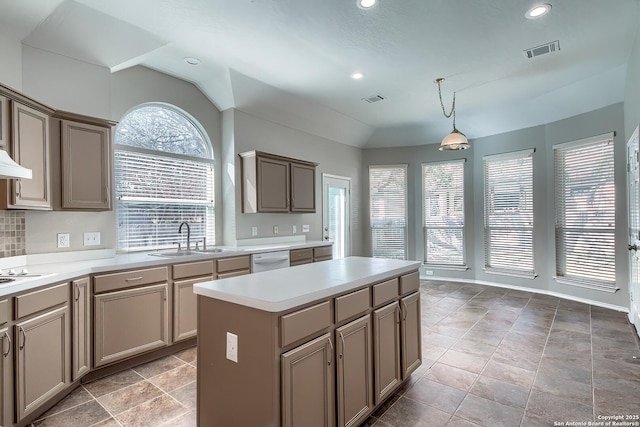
pixel 386 350
pixel 411 336
pixel 308 385
pixel 355 376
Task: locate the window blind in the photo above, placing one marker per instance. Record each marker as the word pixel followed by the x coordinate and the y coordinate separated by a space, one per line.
pixel 156 193
pixel 388 211
pixel 585 213
pixel 443 213
pixel 508 213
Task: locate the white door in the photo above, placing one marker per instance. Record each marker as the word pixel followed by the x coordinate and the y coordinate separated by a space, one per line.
pixel 633 186
pixel 336 208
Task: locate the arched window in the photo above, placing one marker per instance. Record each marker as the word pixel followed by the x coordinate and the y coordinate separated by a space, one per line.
pixel 164 176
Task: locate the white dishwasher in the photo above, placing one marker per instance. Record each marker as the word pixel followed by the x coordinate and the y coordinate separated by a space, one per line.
pixel 269 261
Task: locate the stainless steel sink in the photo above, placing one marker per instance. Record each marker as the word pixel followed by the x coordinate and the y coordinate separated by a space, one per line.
pixel 171 254
pixel 216 250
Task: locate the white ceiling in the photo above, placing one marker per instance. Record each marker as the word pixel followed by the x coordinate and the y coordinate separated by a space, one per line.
pixel 290 60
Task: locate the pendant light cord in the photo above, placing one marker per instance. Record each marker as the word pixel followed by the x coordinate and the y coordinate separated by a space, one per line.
pixel 453 105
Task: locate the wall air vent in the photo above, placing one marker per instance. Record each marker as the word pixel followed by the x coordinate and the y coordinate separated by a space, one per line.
pixel 542 49
pixel 374 98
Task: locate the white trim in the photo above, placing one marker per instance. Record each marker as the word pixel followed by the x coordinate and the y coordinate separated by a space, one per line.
pixel 328 175
pixel 511 273
pixel 535 291
pixel 444 161
pixel 510 155
pixel 589 140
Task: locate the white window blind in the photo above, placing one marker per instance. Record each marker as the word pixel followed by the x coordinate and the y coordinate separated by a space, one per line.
pixel 585 213
pixel 164 176
pixel 443 213
pixel 388 211
pixel 508 213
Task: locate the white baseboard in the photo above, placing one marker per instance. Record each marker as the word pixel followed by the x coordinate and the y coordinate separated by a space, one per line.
pixel 534 290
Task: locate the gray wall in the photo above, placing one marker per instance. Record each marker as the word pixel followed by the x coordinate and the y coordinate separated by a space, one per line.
pixel 632 90
pixel 253 133
pixel 541 138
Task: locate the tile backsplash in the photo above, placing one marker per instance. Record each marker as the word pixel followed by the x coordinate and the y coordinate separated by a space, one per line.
pixel 12 233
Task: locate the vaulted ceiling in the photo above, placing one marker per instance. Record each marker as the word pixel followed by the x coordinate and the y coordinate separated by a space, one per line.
pixel 291 60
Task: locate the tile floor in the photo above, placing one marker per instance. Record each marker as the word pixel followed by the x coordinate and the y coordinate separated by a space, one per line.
pixel 491 357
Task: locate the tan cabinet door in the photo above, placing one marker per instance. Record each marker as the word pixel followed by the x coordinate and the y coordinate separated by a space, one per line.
pixel 42 359
pixel 386 350
pixel 303 188
pixel 6 379
pixel 130 322
pixel 185 308
pixel 86 170
pixel 30 148
pixel 81 331
pixel 273 185
pixel 355 377
pixel 308 385
pixel 411 335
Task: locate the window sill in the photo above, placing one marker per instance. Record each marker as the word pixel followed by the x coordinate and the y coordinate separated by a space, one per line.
pixel 445 267
pixel 594 286
pixel 522 275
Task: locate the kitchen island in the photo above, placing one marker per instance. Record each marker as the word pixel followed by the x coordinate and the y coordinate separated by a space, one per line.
pixel 319 344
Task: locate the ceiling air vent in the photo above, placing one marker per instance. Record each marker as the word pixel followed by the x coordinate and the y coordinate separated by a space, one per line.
pixel 374 98
pixel 542 49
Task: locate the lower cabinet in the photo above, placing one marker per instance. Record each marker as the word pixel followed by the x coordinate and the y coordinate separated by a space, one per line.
pixel 185 308
pixel 81 330
pixel 411 334
pixel 386 350
pixel 355 377
pixel 42 359
pixel 308 385
pixel 6 379
pixel 130 322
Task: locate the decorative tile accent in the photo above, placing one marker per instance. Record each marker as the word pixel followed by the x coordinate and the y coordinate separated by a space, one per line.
pixel 12 233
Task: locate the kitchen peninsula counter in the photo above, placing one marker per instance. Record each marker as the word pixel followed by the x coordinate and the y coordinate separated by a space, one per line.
pixel 317 344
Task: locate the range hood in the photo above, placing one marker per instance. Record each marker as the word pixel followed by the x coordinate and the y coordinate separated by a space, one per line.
pixel 10 169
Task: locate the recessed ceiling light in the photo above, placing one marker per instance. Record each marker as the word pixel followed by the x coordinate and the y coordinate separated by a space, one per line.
pixel 191 60
pixel 366 4
pixel 357 75
pixel 538 11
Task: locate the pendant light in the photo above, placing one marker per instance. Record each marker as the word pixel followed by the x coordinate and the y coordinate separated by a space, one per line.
pixel 456 140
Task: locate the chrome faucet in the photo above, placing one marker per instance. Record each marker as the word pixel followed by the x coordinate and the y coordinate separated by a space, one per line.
pixel 188 234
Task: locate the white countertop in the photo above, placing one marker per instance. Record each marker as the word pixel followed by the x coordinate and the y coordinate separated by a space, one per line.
pixel 286 288
pixel 62 266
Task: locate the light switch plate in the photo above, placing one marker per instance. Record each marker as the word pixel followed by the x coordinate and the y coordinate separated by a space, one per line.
pixel 294 229
pixel 63 240
pixel 305 228
pixel 254 231
pixel 232 347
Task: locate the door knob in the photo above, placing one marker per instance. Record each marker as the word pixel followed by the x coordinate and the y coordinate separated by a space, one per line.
pixel 633 247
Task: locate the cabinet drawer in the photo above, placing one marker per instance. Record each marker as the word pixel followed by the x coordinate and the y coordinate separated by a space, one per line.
pixel 192 269
pixel 234 263
pixel 352 304
pixel 409 283
pixel 128 279
pixel 323 252
pixel 43 299
pixel 385 291
pixel 299 324
pixel 4 311
pixel 300 256
pixel 233 274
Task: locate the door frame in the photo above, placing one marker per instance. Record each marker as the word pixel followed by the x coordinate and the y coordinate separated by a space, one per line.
pixel 325 219
pixel 633 235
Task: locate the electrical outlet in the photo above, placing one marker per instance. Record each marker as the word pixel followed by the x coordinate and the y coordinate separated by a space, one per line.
pixel 91 238
pixel 428 272
pixel 275 229
pixel 232 347
pixel 63 240
pixel 305 228
pixel 254 231
pixel 294 229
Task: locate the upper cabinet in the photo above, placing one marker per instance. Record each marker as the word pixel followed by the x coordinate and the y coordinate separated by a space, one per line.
pixel 272 183
pixel 4 122
pixel 28 146
pixel 85 157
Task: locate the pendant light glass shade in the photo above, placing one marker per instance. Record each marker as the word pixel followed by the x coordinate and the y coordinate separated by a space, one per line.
pixel 456 140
